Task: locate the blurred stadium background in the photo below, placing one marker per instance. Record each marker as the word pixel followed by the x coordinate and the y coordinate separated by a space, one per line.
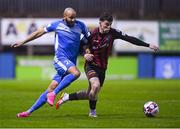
pixel 154 21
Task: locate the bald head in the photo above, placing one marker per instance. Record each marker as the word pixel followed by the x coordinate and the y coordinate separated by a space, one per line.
pixel 69 11
pixel 69 16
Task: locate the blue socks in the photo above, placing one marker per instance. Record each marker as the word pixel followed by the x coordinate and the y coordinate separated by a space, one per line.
pixel 64 83
pixel 43 97
pixel 39 102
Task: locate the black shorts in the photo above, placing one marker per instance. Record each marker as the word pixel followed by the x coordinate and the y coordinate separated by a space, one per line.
pixel 94 71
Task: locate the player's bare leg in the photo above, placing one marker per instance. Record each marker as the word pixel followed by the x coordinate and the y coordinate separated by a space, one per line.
pixel 52 86
pixel 93 94
pixel 95 88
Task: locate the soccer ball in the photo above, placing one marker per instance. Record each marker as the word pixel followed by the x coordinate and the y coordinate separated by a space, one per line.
pixel 151 109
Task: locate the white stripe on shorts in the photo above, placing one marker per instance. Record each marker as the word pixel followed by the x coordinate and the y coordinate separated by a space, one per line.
pixel 59 63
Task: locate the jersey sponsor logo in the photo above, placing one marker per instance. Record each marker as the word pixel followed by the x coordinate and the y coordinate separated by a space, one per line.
pixel 99 47
pixel 105 43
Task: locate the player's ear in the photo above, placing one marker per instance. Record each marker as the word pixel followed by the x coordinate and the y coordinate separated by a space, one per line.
pixel 64 16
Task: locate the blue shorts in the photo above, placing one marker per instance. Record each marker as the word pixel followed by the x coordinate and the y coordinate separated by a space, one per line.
pixel 61 65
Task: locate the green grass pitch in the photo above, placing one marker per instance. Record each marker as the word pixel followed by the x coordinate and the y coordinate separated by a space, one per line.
pixel 120 105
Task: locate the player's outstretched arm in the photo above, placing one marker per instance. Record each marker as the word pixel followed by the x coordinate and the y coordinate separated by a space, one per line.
pixel 34 35
pixel 139 42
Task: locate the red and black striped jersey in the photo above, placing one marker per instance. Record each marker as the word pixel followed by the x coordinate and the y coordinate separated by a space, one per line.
pixel 101 45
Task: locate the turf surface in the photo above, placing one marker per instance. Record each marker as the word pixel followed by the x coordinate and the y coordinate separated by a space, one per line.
pixel 120 105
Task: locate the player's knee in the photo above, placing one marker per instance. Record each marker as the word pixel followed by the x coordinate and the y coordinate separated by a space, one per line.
pixel 77 74
pixel 96 86
pixel 74 70
pixel 52 86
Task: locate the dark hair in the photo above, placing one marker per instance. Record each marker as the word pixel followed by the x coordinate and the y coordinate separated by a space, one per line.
pixel 106 16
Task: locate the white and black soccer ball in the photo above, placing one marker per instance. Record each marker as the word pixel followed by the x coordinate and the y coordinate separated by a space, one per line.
pixel 151 109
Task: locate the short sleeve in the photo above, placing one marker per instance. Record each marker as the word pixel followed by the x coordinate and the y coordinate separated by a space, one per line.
pixel 51 27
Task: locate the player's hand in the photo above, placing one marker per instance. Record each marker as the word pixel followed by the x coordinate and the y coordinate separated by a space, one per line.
pixel 17 44
pixel 88 57
pixel 154 47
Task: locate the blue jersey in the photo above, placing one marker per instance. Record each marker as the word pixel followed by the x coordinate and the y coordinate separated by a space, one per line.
pixel 67 39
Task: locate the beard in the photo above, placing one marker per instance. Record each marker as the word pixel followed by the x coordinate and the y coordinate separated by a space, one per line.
pixel 106 30
pixel 70 24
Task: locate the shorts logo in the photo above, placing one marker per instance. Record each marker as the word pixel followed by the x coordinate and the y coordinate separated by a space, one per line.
pixel 91 73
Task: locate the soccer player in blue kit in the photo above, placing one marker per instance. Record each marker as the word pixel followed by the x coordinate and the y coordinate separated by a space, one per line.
pixel 67 43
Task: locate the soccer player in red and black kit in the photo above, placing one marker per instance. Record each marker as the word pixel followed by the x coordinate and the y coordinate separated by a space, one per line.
pixel 100 45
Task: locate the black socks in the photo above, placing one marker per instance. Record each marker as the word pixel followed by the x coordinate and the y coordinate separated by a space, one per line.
pixel 92 104
pixel 73 96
